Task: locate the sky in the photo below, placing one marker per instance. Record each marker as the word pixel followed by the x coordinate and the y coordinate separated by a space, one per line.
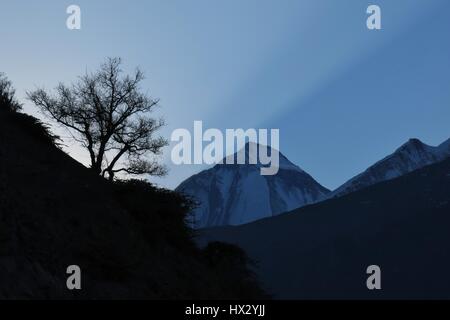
pixel 342 96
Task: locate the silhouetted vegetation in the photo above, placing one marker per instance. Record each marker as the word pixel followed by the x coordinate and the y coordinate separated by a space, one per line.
pixel 160 213
pixel 109 116
pixel 129 237
pixel 7 95
pixel 10 108
pixel 36 127
pixel 234 266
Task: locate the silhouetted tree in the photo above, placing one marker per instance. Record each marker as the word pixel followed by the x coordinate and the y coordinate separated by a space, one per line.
pixel 109 115
pixel 7 94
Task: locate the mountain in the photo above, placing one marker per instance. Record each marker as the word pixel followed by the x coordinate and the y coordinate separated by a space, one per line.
pixel 232 194
pixel 412 155
pixel 129 238
pixel 444 148
pixel 322 251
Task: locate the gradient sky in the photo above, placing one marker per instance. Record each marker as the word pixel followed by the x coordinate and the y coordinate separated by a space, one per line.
pixel 342 96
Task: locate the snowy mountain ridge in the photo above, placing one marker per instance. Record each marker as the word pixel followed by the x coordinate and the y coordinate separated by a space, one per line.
pixel 411 156
pixel 234 194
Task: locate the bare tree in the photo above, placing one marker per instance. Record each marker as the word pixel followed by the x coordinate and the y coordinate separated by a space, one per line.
pixel 7 94
pixel 109 115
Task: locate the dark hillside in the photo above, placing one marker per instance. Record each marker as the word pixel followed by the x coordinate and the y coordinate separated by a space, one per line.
pixel 129 238
pixel 322 251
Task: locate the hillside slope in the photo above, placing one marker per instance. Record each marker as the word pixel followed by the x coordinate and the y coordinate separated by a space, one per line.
pixel 323 250
pixel 129 239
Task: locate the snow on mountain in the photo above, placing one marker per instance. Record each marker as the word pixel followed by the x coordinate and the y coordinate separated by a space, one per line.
pixel 411 156
pixel 234 194
pixel 322 251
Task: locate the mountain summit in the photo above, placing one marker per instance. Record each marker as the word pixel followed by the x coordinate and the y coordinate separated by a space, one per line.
pixel 234 194
pixel 411 156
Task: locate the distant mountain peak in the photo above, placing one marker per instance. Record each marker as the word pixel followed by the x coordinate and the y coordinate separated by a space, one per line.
pixel 410 156
pixel 415 150
pixel 412 143
pixel 283 161
pixel 233 194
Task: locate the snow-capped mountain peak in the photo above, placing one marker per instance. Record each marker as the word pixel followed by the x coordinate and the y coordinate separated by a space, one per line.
pixel 412 155
pixel 251 153
pixel 233 194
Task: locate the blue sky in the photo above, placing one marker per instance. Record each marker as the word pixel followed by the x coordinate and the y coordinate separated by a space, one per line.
pixel 342 96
